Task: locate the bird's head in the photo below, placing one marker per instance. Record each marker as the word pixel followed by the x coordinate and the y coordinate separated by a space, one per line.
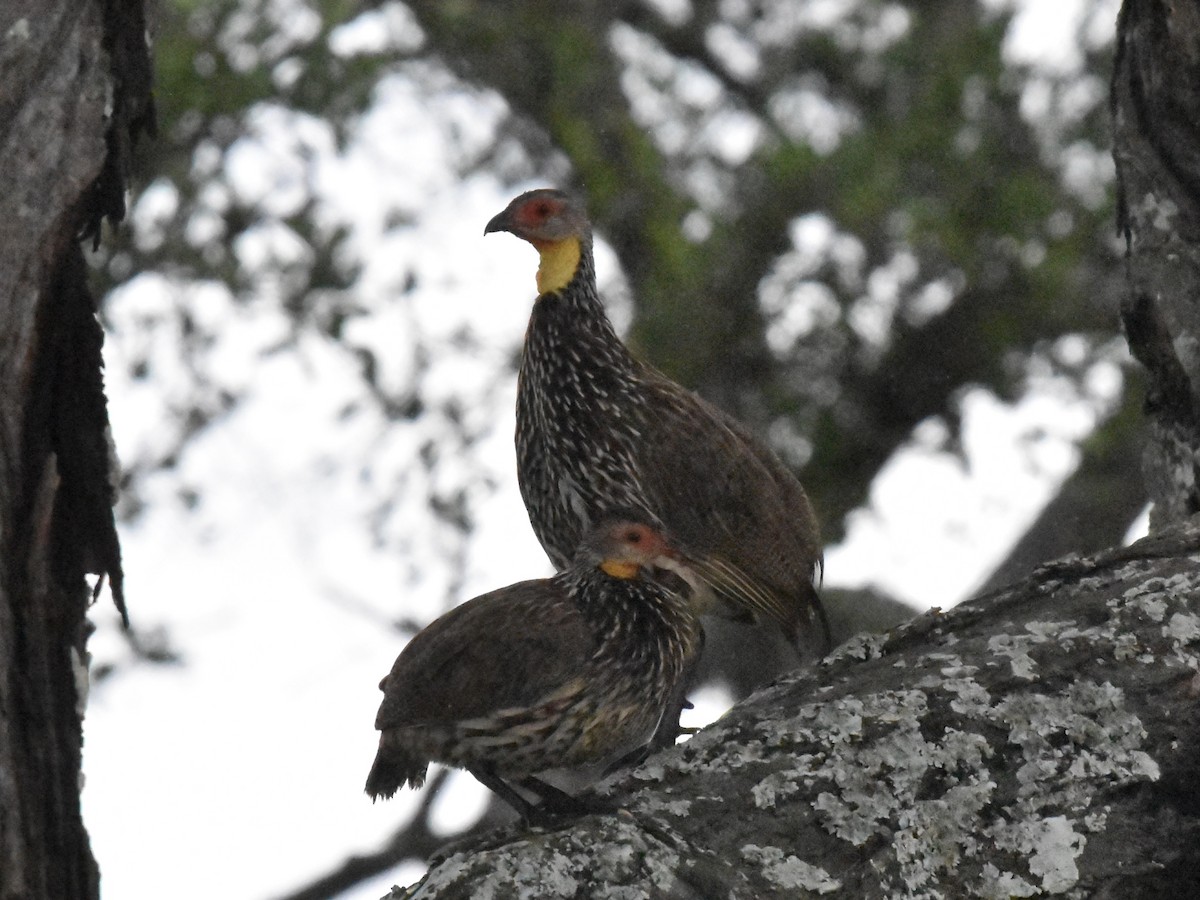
pixel 556 223
pixel 623 546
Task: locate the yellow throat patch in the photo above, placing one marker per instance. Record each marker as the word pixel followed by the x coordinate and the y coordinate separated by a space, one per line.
pixel 559 260
pixel 625 570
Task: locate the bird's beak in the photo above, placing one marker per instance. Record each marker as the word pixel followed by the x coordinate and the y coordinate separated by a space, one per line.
pixel 498 223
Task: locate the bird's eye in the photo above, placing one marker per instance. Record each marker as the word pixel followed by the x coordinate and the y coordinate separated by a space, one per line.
pixel 633 537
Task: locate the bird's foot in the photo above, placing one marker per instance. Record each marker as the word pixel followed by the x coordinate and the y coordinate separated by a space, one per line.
pixel 556 805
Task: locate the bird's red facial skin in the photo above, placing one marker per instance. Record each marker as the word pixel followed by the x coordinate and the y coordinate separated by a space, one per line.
pixel 535 213
pixel 638 537
pixel 645 541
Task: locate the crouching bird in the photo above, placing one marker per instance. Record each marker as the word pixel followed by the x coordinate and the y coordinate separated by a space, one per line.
pixel 598 430
pixel 571 672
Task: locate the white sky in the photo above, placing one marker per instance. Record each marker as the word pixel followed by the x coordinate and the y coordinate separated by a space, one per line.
pixel 239 774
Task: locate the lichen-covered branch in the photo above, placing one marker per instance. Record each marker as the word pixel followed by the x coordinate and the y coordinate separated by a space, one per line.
pixel 1040 740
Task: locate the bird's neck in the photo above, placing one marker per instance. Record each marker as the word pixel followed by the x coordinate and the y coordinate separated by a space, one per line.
pixel 635 620
pixel 568 326
pixel 558 262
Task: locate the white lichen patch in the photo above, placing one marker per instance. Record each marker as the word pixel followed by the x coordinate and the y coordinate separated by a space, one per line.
pixel 18 31
pixel 611 865
pixel 1047 630
pixel 834 722
pixel 1125 647
pixel 1153 605
pixel 1155 598
pixel 862 646
pixel 447 873
pixel 650 771
pixel 615 863
pixel 1016 648
pixel 718 758
pixel 1182 583
pixel 549 873
pixel 1097 821
pixel 1182 629
pixel 970 697
pixel 998 885
pixel 1053 846
pixel 936 834
pixel 1085 724
pixel 676 808
pixel 781 785
pixel 925 795
pixel 662 874
pixel 1066 635
pixel 708 751
pixel 790 873
pixel 876 783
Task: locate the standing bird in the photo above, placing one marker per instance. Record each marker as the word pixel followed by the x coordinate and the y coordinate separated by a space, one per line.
pixel 597 430
pixel 565 672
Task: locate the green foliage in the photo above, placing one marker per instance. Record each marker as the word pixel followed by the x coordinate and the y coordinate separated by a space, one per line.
pixel 964 249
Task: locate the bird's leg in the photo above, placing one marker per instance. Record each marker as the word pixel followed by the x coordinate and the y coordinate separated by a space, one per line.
pixel 558 803
pixel 486 776
pixel 553 803
pixel 827 634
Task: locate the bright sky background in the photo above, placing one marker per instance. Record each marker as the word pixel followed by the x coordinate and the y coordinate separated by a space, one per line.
pixel 239 773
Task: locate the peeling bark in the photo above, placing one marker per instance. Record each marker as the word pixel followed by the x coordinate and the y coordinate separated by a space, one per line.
pixel 1044 739
pixel 69 103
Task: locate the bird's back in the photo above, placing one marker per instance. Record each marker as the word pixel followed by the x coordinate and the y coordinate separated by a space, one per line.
pixel 732 505
pixel 509 648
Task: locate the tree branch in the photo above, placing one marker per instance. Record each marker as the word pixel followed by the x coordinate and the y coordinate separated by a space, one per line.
pixel 1037 740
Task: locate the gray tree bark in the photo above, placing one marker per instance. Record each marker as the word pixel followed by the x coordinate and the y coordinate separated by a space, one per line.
pixel 1156 122
pixel 1039 740
pixel 1043 739
pixel 74 78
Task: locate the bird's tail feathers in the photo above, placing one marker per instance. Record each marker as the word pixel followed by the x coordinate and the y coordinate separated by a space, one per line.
pixel 393 769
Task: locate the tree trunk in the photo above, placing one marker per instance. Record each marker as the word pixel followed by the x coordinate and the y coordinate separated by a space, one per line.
pixel 1156 122
pixel 75 81
pixel 1042 739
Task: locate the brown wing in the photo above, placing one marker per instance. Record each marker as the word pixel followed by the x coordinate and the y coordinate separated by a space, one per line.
pixel 507 648
pixel 734 508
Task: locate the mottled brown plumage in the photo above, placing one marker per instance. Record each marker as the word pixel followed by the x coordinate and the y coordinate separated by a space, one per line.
pixel 559 673
pixel 597 430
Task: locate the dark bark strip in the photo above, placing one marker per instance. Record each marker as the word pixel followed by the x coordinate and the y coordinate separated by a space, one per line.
pixel 75 89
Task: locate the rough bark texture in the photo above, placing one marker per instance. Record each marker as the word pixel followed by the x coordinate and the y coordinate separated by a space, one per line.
pixel 1042 740
pixel 74 82
pixel 1156 120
